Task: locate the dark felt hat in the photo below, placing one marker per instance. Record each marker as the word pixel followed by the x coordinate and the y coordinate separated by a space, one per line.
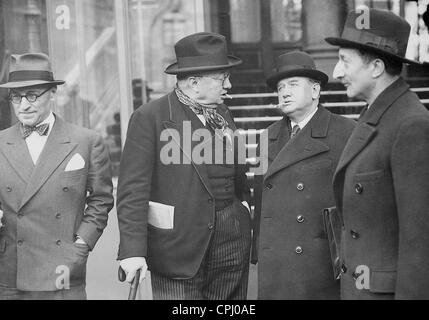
pixel 28 70
pixel 201 52
pixel 383 33
pixel 296 64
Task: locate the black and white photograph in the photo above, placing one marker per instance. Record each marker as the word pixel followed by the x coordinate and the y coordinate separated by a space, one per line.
pixel 226 151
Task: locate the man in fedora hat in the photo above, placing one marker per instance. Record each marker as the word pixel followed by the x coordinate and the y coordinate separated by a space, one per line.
pixel 55 190
pixel 382 180
pixel 304 147
pixel 183 218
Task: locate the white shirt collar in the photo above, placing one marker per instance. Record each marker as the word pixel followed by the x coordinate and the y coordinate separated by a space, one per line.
pixel 306 120
pixel 50 120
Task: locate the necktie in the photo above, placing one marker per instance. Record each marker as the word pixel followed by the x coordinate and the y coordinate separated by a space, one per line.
pixel 42 130
pixel 295 130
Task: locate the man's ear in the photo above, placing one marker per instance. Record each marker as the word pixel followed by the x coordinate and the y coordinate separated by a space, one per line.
pixel 53 92
pixel 315 90
pixel 193 83
pixel 378 68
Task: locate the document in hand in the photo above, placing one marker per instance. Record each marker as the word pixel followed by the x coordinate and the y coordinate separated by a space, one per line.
pixel 333 227
pixel 161 215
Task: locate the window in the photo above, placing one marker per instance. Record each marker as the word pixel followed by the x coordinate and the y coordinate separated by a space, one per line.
pixel 286 20
pixel 245 21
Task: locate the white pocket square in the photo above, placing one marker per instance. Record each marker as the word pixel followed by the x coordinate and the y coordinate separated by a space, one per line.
pixel 75 163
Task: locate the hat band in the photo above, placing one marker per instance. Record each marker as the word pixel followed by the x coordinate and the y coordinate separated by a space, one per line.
pixel 212 60
pixel 370 39
pixel 295 67
pixel 28 75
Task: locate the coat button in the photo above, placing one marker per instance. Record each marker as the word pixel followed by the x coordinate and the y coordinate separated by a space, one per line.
pixel 300 219
pixel 210 226
pixel 20 216
pixel 300 186
pixel 269 186
pixel 65 189
pixel 210 201
pixel 20 243
pixel 58 216
pixel 358 188
pixel 9 189
pixel 298 250
pixel 58 242
pixel 354 234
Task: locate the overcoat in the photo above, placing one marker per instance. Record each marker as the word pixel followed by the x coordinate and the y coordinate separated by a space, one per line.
pixel 45 207
pixel 293 256
pixel 382 190
pixel 144 176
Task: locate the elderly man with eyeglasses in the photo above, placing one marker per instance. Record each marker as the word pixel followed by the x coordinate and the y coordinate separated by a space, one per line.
pixel 183 218
pixel 55 191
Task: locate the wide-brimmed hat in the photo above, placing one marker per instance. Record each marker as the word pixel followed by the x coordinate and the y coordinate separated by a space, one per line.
pixel 30 69
pixel 296 64
pixel 200 52
pixel 384 33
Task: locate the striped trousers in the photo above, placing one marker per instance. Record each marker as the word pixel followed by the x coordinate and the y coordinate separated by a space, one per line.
pixel 224 272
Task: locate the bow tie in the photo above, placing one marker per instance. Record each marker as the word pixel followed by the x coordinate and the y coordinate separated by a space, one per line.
pixel 42 130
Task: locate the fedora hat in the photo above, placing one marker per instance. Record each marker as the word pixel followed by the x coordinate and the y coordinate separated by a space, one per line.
pixel 386 34
pixel 200 52
pixel 28 70
pixel 296 64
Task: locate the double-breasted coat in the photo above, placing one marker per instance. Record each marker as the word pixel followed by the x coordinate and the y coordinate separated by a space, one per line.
pixel 45 207
pixel 293 253
pixel 382 191
pixel 144 176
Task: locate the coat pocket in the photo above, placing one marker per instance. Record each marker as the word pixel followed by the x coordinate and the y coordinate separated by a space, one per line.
pixel 382 281
pixel 317 165
pixel 368 176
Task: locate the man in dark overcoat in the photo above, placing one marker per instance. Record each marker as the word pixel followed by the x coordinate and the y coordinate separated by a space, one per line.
pixel 382 180
pixel 179 214
pixel 303 151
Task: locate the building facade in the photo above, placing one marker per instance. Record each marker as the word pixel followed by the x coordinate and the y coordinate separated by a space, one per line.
pixel 112 53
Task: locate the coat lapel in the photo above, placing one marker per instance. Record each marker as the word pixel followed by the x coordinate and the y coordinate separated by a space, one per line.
pixel 305 145
pixel 366 128
pixel 176 122
pixel 56 149
pixel 16 152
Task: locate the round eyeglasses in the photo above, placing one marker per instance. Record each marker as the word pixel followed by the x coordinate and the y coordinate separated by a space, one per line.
pixel 30 96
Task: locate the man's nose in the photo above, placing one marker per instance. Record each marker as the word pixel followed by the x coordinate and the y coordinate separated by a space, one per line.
pixel 284 92
pixel 338 71
pixel 227 84
pixel 25 104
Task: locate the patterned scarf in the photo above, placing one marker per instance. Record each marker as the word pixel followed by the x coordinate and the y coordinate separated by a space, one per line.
pixel 215 120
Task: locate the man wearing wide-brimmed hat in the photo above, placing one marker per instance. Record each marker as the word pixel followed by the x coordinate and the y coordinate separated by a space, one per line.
pixel 304 147
pixel 180 216
pixel 55 190
pixel 382 181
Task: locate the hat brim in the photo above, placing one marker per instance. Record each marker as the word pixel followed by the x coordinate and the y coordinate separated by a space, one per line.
pixel 29 83
pixel 340 42
pixel 174 68
pixel 307 73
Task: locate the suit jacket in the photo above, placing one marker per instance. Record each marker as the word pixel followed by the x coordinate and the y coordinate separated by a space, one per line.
pixel 44 206
pixel 294 192
pixel 178 252
pixel 382 190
